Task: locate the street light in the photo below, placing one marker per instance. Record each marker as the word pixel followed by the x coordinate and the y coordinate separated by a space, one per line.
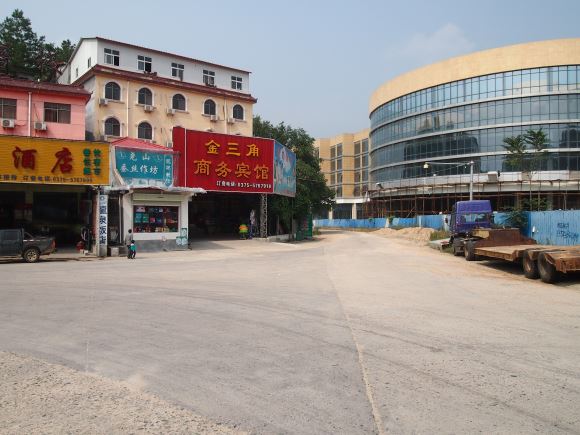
pixel 470 163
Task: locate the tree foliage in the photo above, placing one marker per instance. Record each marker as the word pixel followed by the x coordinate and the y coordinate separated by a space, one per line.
pixel 25 54
pixel 312 193
pixel 526 152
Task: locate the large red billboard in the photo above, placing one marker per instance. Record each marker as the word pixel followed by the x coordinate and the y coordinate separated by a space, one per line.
pixel 223 162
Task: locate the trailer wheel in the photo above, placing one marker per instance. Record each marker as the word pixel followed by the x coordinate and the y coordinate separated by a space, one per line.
pixel 548 272
pixel 530 267
pixel 469 250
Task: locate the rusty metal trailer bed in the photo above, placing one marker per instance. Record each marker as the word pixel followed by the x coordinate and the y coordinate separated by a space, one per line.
pixel 547 262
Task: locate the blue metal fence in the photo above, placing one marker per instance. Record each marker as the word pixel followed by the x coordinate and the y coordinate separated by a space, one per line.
pixel 547 227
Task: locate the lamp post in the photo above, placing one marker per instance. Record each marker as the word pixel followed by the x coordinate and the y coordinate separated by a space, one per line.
pixel 470 163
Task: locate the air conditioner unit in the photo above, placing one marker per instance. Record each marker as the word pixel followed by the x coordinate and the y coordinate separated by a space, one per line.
pixel 170 111
pixel 148 108
pixel 8 123
pixel 103 101
pixel 169 144
pixel 213 118
pixel 40 126
pixel 231 120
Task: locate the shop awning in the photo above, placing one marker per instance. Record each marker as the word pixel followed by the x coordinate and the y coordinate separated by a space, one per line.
pixel 170 189
pixel 141 145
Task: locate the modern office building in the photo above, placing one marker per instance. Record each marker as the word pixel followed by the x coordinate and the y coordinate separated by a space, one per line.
pixel 430 127
pixel 142 93
pixel 345 165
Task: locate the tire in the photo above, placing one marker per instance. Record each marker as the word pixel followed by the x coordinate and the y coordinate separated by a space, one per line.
pixel 530 267
pixel 31 255
pixel 548 272
pixel 457 248
pixel 469 251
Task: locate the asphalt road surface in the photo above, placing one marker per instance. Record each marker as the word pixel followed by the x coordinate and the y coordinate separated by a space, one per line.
pixel 350 334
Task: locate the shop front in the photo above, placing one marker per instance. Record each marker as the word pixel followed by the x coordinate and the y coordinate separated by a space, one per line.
pixel 50 186
pixel 238 173
pixel 149 203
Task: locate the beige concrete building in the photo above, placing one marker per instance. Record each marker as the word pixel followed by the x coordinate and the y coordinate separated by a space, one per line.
pixel 430 127
pixel 142 93
pixel 345 164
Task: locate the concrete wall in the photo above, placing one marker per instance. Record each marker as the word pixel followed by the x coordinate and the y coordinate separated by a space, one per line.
pixel 513 57
pixel 75 130
pixel 129 113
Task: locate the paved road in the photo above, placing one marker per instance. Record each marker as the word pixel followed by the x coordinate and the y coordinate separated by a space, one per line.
pixel 351 334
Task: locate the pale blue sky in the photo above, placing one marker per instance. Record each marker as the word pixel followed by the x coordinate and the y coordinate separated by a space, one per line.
pixel 314 63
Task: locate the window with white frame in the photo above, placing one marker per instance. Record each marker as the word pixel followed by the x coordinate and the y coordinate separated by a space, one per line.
pixel 209 107
pixel 145 97
pixel 177 70
pixel 111 56
pixel 178 102
pixel 112 127
pixel 237 83
pixel 208 77
pixel 144 63
pixel 145 131
pixel 238 112
pixel 113 91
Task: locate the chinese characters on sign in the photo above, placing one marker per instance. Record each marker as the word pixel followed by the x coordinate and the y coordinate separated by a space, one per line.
pixel 220 162
pixel 103 213
pixel 140 168
pixel 39 160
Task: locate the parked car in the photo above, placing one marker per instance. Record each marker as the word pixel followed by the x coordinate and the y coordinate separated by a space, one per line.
pixel 19 243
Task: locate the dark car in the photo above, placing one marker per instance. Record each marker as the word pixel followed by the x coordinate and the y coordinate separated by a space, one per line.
pixel 18 243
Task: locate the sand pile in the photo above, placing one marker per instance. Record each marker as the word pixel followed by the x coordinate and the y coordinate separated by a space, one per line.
pixel 415 234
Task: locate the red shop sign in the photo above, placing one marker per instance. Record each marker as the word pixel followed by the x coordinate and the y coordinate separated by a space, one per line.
pixel 223 162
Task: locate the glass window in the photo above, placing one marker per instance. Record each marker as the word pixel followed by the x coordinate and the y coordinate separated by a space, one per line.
pixel 111 56
pixel 237 83
pixel 208 77
pixel 7 108
pixel 155 219
pixel 144 63
pixel 145 97
pixel 357 162
pixel 339 150
pixel 113 91
pixel 209 107
pixel 178 102
pixel 365 146
pixel 55 112
pixel 89 62
pixel 357 148
pixel 339 164
pixel 177 70
pixel 112 127
pixel 238 112
pixel 145 131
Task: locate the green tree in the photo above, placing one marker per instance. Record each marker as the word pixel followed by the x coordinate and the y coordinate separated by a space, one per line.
pixel 312 193
pixel 527 153
pixel 25 54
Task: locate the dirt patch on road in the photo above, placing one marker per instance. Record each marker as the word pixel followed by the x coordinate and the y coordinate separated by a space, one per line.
pixel 415 234
pixel 38 397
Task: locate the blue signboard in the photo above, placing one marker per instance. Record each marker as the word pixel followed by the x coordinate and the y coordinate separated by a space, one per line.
pixel 284 170
pixel 144 168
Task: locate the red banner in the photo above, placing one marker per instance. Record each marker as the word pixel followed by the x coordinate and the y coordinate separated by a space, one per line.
pixel 223 162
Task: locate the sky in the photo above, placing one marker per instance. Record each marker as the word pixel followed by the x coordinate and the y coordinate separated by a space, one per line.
pixel 314 63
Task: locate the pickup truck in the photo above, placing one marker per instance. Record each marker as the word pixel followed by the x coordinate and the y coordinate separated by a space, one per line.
pixel 18 243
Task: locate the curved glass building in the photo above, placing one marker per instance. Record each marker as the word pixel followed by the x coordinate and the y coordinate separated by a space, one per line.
pixel 429 124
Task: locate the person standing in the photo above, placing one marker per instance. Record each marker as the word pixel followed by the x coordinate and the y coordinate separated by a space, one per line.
pixel 128 241
pixel 252 222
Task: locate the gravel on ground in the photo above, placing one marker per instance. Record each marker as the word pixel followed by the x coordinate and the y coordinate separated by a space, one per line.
pixel 39 397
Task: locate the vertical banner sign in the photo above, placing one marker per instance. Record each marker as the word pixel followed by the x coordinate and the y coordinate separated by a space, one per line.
pixel 103 213
pixel 284 171
pixel 224 163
